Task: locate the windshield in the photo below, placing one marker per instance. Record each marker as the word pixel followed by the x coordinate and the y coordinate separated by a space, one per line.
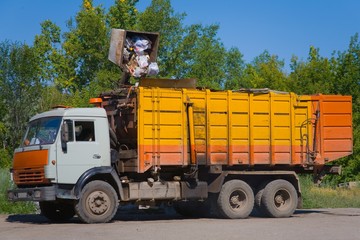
pixel 42 131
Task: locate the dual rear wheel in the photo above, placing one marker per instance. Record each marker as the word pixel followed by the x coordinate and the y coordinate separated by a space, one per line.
pixel 276 199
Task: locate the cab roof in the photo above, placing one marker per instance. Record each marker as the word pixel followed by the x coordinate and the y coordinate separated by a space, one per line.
pixel 72 112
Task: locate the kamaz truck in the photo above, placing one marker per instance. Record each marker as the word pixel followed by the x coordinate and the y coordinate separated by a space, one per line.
pixel 166 141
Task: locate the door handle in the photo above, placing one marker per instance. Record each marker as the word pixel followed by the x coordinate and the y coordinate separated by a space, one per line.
pixel 96 156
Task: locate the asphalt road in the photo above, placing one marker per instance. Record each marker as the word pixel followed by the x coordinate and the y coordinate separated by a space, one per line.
pixel 319 224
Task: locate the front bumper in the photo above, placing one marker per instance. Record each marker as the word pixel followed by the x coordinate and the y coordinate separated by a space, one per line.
pixel 32 194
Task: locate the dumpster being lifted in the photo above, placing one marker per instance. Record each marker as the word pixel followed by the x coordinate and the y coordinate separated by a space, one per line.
pixel 134 52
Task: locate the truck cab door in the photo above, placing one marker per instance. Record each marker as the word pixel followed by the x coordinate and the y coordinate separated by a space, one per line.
pixel 86 148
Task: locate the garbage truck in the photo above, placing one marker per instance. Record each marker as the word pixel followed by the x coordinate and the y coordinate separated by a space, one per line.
pixel 166 141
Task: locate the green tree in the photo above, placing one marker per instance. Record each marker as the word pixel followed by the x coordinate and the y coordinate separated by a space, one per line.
pixel 21 87
pixel 5 158
pixel 200 55
pixel 348 71
pixel 266 71
pixel 123 14
pixel 160 17
pixel 46 46
pixel 234 69
pixel 207 58
pixel 3 129
pixel 85 45
pixel 57 68
pixel 185 52
pixel 314 76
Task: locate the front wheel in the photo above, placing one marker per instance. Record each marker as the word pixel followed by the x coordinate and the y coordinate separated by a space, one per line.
pixel 98 203
pixel 236 200
pixel 279 199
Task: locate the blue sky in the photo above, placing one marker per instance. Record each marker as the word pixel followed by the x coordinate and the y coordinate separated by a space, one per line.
pixel 283 27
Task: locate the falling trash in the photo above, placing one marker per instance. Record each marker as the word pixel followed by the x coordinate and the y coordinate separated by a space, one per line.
pixel 143 61
pixel 136 56
pixel 153 69
pixel 134 52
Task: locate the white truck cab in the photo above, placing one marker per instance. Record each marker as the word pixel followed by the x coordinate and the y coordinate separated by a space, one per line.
pixel 86 146
pixel 62 150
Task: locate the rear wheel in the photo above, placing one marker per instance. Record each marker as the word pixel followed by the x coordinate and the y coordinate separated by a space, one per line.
pixel 57 212
pixel 279 199
pixel 98 203
pixel 258 196
pixel 236 200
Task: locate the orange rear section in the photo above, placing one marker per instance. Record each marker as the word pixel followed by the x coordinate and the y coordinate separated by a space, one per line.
pixel 334 136
pixel 28 167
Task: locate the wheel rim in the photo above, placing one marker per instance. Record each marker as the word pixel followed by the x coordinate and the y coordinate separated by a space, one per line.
pixel 237 200
pixel 282 199
pixel 98 203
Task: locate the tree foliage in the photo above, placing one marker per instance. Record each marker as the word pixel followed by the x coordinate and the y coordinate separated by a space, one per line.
pixel 123 14
pixel 20 82
pixel 315 75
pixel 86 44
pixel 234 70
pixel 266 71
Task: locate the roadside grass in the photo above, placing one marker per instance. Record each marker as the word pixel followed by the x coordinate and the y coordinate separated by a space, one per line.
pixel 9 207
pixel 327 196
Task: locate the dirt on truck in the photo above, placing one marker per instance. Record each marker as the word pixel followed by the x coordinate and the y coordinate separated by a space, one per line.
pixel 224 152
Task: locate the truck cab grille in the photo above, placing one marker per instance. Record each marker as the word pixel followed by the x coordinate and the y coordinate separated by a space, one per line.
pixel 29 176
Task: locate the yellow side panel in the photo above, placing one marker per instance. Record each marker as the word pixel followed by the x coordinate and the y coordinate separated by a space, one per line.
pixel 162 131
pixel 230 127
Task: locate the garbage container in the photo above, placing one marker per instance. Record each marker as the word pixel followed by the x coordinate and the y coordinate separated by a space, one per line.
pixel 134 51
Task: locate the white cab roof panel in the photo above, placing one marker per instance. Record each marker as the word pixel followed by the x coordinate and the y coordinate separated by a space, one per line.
pixel 72 112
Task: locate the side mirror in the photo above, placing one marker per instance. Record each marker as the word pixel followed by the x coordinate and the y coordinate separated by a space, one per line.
pixel 65 134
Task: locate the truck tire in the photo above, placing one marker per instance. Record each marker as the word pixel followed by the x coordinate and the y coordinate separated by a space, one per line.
pixel 279 199
pixel 257 203
pixel 236 200
pixel 57 212
pixel 98 202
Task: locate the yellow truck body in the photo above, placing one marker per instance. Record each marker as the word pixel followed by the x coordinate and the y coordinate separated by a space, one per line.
pixel 259 127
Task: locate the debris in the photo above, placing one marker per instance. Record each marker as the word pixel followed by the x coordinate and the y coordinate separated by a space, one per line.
pixel 153 69
pixel 143 61
pixel 136 57
pixel 134 52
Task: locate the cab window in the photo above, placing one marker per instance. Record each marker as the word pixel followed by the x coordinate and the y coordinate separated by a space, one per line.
pixel 84 131
pixel 42 131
